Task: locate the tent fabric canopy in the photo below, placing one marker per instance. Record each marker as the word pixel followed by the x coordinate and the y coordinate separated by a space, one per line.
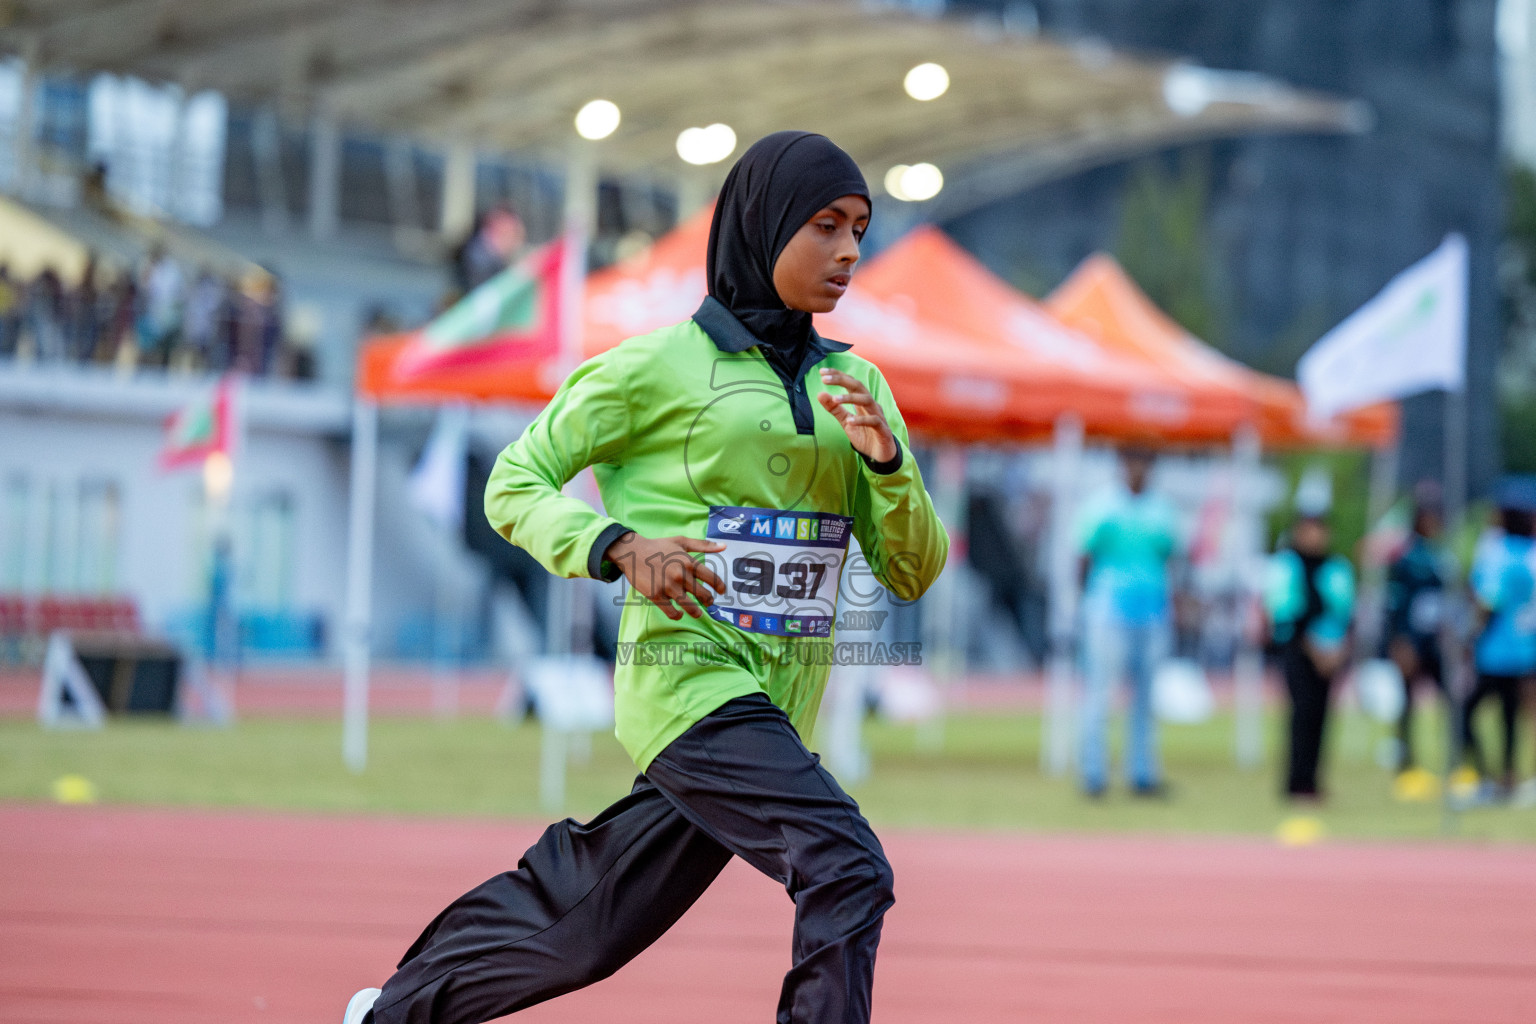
pixel 1054 369
pixel 948 382
pixel 1100 300
pixel 967 357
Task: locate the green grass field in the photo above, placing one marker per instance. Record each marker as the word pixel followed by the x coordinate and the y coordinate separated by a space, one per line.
pixel 982 774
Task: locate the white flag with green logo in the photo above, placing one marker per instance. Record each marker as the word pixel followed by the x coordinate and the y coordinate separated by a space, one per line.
pixel 1412 337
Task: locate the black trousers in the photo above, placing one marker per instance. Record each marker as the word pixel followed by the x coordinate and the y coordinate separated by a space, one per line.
pixel 1507 689
pixel 1429 665
pixel 586 899
pixel 1309 693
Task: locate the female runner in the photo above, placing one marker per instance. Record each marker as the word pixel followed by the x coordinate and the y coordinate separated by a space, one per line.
pixel 705 442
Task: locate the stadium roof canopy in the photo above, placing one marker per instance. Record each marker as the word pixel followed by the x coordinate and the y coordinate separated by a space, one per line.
pixel 511 74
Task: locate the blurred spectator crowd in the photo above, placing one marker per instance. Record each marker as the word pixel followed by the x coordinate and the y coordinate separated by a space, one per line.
pixel 155 315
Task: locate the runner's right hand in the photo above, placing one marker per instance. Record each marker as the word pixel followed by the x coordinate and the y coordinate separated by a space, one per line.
pixel 666 573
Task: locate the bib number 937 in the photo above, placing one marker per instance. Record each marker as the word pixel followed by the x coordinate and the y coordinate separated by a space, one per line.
pixel 754 576
pixel 781 568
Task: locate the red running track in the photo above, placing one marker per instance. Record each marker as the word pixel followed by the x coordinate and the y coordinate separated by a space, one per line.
pixel 174 917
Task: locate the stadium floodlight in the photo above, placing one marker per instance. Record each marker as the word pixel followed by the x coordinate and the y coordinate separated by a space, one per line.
pixel 598 119
pixel 218 477
pixel 700 146
pixel 915 183
pixel 922 182
pixel 927 82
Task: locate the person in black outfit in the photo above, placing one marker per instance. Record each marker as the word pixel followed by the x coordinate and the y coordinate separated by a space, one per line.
pixel 1310 598
pixel 1414 602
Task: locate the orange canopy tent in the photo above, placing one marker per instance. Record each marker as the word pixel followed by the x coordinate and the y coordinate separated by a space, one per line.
pixel 660 286
pixel 947 381
pixel 967 357
pixel 1100 300
pixel 950 380
pixel 1050 369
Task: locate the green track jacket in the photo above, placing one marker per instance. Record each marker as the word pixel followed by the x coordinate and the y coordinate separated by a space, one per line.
pixel 673 422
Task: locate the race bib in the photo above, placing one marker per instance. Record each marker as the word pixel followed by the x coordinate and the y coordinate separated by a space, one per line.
pixel 781 569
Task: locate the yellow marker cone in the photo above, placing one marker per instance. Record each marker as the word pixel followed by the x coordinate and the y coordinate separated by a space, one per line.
pixel 1416 785
pixel 74 789
pixel 1300 830
pixel 1464 783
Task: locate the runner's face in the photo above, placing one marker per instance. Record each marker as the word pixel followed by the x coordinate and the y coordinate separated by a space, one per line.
pixel 814 269
pixel 1137 468
pixel 1310 537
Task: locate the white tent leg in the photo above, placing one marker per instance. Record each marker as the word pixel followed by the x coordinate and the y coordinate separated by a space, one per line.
pixel 1357 730
pixel 580 215
pixel 563 611
pixel 1058 718
pixel 558 613
pixel 944 654
pixel 552 758
pixel 1457 685
pixel 356 636
pixel 445 666
pixel 1248 665
pixel 1373 576
pixel 844 731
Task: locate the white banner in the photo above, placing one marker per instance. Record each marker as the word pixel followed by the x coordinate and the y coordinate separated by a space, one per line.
pixel 1412 337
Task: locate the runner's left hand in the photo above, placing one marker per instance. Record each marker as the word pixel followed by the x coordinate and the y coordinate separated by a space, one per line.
pixel 864 423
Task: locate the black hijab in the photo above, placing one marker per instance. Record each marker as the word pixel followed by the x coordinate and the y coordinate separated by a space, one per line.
pixel 778 184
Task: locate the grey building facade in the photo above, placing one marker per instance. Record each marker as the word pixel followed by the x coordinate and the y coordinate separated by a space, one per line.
pixel 1302 230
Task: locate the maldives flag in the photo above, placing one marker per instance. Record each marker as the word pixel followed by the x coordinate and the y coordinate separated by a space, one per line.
pixel 515 316
pixel 200 429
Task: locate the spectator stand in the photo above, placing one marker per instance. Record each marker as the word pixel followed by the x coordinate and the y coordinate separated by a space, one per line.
pixel 100 285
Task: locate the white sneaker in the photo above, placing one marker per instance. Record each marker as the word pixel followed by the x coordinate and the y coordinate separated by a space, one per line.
pixel 359 1006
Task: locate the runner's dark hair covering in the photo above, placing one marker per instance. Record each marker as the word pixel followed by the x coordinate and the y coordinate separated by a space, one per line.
pixel 779 183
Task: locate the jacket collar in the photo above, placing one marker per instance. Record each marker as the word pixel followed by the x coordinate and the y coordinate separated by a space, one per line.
pixel 729 335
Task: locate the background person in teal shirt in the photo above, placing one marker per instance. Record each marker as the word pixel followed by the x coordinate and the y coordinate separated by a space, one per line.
pixel 1504 582
pixel 1128 537
pixel 1309 595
